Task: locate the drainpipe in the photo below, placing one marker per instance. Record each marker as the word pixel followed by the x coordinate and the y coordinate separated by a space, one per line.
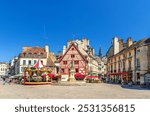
pixel 135 65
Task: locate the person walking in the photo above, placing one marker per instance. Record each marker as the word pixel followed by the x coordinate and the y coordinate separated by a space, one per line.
pixel 4 80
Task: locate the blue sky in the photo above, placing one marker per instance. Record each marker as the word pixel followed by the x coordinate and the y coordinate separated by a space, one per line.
pixel 22 23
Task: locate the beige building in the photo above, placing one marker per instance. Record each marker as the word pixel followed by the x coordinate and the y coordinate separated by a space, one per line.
pixel 30 55
pixel 4 68
pixel 129 61
pixel 103 66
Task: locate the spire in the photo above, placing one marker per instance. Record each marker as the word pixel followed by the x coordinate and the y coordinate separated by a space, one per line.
pixel 100 52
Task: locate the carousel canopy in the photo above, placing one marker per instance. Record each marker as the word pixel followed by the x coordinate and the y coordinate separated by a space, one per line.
pixel 38 64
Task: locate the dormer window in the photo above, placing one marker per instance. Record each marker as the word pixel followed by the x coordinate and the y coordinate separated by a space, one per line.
pixel 29 55
pixel 35 55
pixel 41 55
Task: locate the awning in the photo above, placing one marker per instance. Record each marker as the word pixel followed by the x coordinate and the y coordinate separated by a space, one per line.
pixel 79 75
pixel 51 75
pixel 39 64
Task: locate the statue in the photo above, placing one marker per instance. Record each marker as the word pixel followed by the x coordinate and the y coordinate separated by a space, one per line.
pixel 72 65
pixel 72 71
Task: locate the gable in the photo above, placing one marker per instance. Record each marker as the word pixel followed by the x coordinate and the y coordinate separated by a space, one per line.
pixel 72 50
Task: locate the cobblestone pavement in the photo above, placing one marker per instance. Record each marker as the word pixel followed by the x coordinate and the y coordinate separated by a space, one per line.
pixel 86 91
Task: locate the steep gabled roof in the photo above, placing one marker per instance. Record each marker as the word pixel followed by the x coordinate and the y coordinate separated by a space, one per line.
pixel 72 44
pixel 50 63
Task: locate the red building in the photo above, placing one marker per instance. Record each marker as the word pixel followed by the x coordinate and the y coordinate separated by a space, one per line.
pixel 73 55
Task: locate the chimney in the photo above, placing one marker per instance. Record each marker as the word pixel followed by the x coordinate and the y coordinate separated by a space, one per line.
pixel 121 44
pixel 116 45
pixel 64 49
pixel 129 42
pixel 47 49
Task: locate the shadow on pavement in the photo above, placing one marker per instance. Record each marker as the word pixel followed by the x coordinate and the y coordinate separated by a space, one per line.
pixel 136 87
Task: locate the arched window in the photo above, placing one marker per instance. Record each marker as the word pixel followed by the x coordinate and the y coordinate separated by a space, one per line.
pixel 41 55
pixel 35 55
pixel 29 55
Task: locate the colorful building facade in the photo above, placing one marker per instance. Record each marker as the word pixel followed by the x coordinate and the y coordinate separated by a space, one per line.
pixel 81 55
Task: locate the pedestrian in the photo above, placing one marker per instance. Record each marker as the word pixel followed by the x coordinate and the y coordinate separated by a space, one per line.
pixel 4 80
pixel 9 81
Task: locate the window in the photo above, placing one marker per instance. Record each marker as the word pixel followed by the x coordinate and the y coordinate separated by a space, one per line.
pixel 41 55
pixel 77 70
pixel 35 55
pixel 138 51
pixel 64 62
pixel 72 49
pixel 119 67
pixel 129 53
pixel 34 61
pixel 24 55
pixel 114 66
pixel 24 62
pixel 124 55
pixel 76 62
pixel 129 65
pixel 42 61
pixel 29 62
pixel 29 55
pixel 138 63
pixel 72 55
pixel 62 70
pixel 22 69
pixel 124 65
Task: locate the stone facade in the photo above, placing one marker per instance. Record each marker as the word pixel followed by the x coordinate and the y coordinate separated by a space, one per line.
pixel 103 66
pixel 130 63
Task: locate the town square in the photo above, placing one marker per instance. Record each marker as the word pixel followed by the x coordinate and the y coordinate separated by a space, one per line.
pixel 80 91
pixel 75 50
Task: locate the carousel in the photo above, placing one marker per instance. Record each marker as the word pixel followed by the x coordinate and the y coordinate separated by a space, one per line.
pixel 38 74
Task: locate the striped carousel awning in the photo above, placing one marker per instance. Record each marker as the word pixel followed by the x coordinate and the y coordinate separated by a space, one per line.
pixel 39 64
